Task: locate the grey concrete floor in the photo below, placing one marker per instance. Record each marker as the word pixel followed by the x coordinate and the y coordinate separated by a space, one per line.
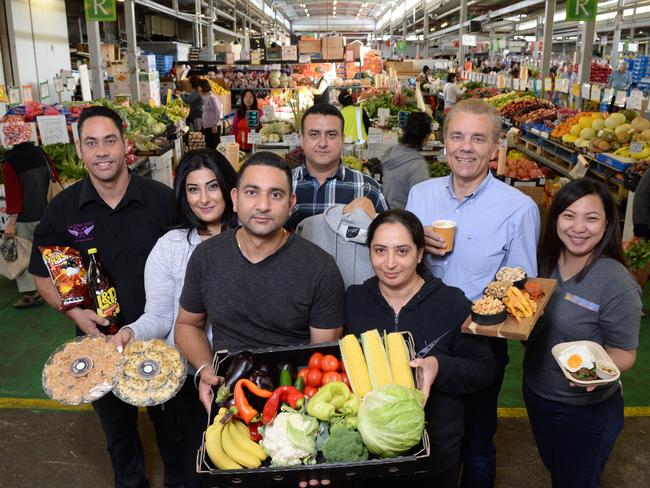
pixel 59 449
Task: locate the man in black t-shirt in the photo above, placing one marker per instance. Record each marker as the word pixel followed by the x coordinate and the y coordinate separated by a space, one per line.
pixel 122 215
pixel 257 285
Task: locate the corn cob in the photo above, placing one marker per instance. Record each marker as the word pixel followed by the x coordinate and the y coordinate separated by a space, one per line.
pixel 376 359
pixel 355 365
pixel 398 356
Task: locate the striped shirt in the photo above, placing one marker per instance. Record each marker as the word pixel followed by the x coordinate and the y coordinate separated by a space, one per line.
pixel 346 185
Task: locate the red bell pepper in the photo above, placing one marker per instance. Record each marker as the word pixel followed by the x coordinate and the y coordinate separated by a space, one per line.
pixel 286 394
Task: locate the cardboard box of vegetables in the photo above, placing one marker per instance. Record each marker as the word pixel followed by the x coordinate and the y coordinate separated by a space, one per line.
pixel 346 410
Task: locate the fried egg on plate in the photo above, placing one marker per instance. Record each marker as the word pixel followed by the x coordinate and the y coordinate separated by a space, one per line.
pixel 576 357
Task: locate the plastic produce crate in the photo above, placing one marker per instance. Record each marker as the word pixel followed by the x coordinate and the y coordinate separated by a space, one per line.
pixel 415 462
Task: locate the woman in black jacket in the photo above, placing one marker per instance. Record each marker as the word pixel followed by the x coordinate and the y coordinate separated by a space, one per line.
pixel 402 297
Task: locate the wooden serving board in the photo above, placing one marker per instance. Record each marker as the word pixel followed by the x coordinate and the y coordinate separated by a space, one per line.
pixel 511 329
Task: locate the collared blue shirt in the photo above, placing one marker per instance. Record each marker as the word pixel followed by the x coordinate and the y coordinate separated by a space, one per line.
pixel 496 226
pixel 619 81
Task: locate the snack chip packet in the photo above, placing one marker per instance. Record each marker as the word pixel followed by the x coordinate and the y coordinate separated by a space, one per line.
pixel 68 274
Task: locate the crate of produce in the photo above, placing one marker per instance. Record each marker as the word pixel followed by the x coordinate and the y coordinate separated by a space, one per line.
pixel 275 363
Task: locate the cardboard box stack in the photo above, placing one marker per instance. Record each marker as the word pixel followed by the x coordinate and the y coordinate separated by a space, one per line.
pixel 333 47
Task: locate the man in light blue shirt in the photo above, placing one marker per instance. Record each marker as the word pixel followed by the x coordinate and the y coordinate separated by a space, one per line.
pixel 621 78
pixel 496 226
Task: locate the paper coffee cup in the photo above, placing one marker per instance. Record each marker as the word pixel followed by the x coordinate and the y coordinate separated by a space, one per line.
pixel 447 229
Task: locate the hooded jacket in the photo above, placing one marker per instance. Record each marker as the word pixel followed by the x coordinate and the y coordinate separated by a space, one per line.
pixel 465 362
pixel 402 168
pixel 343 236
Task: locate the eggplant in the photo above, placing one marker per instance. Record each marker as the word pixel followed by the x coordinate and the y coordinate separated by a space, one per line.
pixel 262 365
pixel 262 379
pixel 239 368
pixel 291 368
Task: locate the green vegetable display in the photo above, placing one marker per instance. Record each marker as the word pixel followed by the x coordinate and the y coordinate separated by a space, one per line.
pixel 372 105
pixel 343 446
pixel 438 169
pixel 68 164
pixel 352 162
pixel 637 254
pixel 391 420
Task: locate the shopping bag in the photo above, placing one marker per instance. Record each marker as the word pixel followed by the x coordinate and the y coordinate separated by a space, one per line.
pixel 12 269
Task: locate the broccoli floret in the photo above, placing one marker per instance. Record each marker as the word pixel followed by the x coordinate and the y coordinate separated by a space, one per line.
pixel 344 445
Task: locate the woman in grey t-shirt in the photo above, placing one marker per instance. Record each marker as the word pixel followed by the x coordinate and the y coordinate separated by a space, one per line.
pixel 596 299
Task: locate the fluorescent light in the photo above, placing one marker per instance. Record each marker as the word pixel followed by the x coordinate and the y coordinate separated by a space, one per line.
pixel 444 24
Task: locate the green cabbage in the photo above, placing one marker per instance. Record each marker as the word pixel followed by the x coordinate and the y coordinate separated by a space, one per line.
pixel 391 420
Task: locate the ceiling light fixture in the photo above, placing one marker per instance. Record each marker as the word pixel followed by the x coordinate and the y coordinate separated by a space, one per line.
pixel 444 24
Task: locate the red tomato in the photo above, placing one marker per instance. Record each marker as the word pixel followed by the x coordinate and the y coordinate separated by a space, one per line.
pixel 310 391
pixel 303 373
pixel 330 363
pixel 314 377
pixel 332 376
pixel 345 379
pixel 314 360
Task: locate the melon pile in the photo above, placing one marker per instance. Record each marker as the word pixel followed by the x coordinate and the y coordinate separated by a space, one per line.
pixel 599 132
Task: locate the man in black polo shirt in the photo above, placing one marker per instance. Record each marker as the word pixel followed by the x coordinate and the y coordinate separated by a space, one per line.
pixel 323 180
pixel 122 215
pixel 258 285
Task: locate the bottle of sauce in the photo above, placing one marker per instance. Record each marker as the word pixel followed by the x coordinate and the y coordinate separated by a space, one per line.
pixel 103 293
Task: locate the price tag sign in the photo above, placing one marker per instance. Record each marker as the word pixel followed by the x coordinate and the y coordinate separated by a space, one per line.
pixel 564 85
pixel 501 81
pixel 508 83
pixel 252 119
pixel 608 94
pixel 402 118
pixel 53 129
pixel 292 139
pixel 254 138
pixel 586 90
pixel 289 53
pixel 636 146
pixel 389 138
pixel 375 135
pixel 595 93
pixel 58 84
pixel 304 59
pixel 515 84
pixel 349 56
pixel 635 101
pixel 269 113
pixel 227 139
pixel 256 56
pixel 230 58
pixel 621 98
pixel 531 85
pixel 383 114
pixel 575 89
pixel 548 84
pixel 538 85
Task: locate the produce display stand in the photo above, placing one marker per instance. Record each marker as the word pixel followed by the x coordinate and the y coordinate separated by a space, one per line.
pixel 415 462
pixel 511 329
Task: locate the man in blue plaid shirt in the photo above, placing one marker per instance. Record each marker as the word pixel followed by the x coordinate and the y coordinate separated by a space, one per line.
pixel 323 180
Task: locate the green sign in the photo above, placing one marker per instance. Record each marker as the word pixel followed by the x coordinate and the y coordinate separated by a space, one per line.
pixel 401 45
pixel 101 10
pixel 581 9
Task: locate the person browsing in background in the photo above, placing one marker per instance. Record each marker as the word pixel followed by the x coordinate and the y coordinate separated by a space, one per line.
pixel 451 92
pixel 323 180
pixel 212 113
pixel 195 101
pixel 596 299
pixel 122 215
pixel 26 176
pixel 240 129
pixel 204 179
pixel 496 226
pixel 403 166
pixel 403 296
pixel 355 119
pixel 423 78
pixel 620 79
pixel 249 284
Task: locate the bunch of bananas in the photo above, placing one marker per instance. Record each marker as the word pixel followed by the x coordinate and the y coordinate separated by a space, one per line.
pixel 642 154
pixel 217 89
pixel 229 445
